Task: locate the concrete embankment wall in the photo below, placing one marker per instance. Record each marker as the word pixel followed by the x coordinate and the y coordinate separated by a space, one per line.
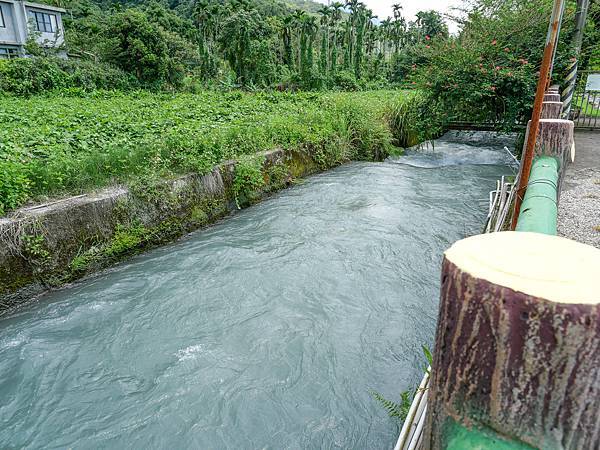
pixel 48 245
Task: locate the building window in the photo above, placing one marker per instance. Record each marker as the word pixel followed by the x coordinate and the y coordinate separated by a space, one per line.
pixel 8 53
pixel 2 22
pixel 43 22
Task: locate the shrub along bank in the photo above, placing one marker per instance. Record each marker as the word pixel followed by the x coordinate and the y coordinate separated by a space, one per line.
pixel 65 145
pixel 30 76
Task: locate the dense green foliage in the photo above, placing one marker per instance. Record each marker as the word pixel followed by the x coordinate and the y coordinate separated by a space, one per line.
pixel 249 43
pixel 590 50
pixel 25 76
pixel 53 145
pixel 486 72
pixel 489 72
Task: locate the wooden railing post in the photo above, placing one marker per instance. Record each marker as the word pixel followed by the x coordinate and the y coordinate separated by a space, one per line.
pixel 516 362
pixel 551 110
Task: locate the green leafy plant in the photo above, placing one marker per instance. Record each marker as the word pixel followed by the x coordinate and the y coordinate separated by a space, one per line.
pixel 125 239
pixel 35 251
pixel 396 410
pixel 14 185
pixel 248 179
pixel 40 75
pixel 399 410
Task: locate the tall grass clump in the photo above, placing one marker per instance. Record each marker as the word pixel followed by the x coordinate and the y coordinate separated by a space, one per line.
pixel 416 119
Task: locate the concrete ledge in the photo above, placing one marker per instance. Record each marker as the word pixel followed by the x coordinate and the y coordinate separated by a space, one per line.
pixel 48 245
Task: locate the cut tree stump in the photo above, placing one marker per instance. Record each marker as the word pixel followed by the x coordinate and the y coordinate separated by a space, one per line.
pixel 517 351
pixel 551 110
pixel 552 97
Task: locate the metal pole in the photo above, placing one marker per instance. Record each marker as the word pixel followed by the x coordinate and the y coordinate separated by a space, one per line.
pixel 560 20
pixel 527 159
pixel 571 78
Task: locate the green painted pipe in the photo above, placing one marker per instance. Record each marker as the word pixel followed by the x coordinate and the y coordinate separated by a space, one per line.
pixel 539 209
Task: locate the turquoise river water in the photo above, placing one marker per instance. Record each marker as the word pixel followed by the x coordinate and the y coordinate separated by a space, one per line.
pixel 268 330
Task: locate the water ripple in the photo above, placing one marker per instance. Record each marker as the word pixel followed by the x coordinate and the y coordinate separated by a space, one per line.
pixel 267 330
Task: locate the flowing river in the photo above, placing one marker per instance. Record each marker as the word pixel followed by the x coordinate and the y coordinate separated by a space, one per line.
pixel 268 330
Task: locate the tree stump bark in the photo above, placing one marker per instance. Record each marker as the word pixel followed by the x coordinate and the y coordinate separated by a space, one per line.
pixel 555 138
pixel 554 89
pixel 552 97
pixel 551 110
pixel 517 351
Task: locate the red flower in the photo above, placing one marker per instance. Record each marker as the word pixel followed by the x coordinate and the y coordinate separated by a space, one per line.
pixel 428 46
pixel 494 42
pixel 506 49
pixel 498 67
pixel 493 88
pixel 427 37
pixel 414 82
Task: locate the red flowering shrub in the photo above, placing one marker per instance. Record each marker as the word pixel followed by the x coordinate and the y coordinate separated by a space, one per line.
pixel 488 72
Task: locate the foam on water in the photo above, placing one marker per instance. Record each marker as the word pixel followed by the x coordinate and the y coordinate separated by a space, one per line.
pixel 455 149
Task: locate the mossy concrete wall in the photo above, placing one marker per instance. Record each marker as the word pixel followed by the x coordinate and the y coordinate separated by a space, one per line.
pixel 48 245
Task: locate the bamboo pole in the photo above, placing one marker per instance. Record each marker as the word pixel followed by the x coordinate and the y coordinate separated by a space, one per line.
pixel 537 108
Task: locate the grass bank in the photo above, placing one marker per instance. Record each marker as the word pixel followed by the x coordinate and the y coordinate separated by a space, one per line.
pixel 66 145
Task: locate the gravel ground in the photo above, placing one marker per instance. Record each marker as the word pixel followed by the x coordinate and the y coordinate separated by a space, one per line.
pixel 579 206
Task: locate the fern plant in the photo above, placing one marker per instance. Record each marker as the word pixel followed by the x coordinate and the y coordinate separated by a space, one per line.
pixel 400 410
pixel 395 410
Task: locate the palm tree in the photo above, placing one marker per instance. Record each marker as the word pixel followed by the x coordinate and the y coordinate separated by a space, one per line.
pixel 353 6
pixel 309 30
pixel 326 13
pixel 370 31
pixel 397 8
pixel 298 17
pixel 385 27
pixel 360 25
pixel 336 17
pixel 288 57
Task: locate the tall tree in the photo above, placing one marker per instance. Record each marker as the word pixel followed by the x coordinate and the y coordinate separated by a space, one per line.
pixel 325 13
pixel 299 16
pixel 288 55
pixel 309 31
pixel 336 17
pixel 360 23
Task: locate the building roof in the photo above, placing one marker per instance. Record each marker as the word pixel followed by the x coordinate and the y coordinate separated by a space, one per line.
pixel 38 6
pixel 42 6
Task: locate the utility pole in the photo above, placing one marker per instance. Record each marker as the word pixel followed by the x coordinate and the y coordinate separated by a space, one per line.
pixel 571 78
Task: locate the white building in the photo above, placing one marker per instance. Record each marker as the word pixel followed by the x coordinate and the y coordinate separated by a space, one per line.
pixel 20 20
